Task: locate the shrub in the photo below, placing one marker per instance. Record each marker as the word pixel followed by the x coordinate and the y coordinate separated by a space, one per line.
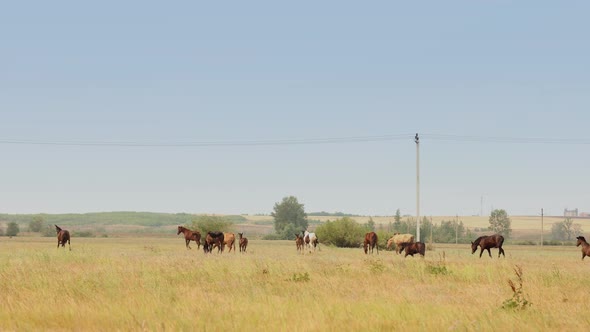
pixel 518 301
pixel 343 232
pixel 12 229
pixel 206 224
pixel 83 234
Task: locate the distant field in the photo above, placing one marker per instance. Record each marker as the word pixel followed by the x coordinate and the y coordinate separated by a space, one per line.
pixel 156 284
pixel 125 224
pixel 524 227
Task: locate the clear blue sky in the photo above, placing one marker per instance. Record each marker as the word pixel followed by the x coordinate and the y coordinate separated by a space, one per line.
pixel 166 73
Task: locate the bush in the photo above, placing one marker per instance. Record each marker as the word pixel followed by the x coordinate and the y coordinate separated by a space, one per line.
pixel 83 234
pixel 48 231
pixel 343 232
pixel 12 229
pixel 206 224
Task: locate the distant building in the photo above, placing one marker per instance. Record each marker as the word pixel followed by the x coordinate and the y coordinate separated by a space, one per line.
pixel 570 213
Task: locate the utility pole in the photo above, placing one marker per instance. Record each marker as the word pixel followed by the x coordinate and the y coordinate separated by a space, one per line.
pixel 417 140
pixel 541 227
pixel 481 206
pixel 431 227
pixel 456 228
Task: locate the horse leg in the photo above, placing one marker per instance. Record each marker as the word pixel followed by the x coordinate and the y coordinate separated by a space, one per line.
pixel 69 245
pixel 187 243
pixel 481 252
pixel 490 252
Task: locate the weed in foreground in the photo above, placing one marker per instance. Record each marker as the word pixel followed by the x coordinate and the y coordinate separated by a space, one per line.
pixel 300 277
pixel 518 301
pixel 438 268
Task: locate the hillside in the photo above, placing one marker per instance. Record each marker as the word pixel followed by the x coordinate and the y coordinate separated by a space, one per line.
pixel 125 223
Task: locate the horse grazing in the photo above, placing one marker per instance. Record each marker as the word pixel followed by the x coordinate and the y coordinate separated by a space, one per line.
pixel 585 246
pixel 190 236
pixel 371 241
pixel 487 242
pixel 299 242
pixel 414 248
pixel 243 242
pixel 212 240
pixel 63 236
pixel 229 239
pixel 311 240
pixel 398 239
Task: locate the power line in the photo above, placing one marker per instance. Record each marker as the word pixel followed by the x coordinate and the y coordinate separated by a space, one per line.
pixel 210 143
pixel 500 139
pixel 301 141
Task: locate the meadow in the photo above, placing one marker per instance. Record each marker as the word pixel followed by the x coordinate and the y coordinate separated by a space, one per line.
pixel 155 284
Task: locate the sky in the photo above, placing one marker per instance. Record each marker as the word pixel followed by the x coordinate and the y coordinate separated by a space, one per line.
pixel 228 107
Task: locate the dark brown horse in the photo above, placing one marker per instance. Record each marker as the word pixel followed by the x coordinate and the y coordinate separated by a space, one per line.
pixel 413 248
pixel 212 240
pixel 299 243
pixel 243 242
pixel 487 242
pixel 585 246
pixel 190 236
pixel 371 240
pixel 63 236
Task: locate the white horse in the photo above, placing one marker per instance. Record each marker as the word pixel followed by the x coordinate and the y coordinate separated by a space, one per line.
pixel 310 240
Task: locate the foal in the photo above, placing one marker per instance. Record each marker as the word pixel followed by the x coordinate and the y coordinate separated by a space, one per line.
pixel 299 243
pixel 371 241
pixel 243 242
pixel 585 246
pixel 62 236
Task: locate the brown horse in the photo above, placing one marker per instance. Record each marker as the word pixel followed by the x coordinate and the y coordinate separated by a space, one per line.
pixel 299 243
pixel 229 239
pixel 63 236
pixel 190 236
pixel 243 242
pixel 413 248
pixel 585 246
pixel 371 242
pixel 488 242
pixel 212 240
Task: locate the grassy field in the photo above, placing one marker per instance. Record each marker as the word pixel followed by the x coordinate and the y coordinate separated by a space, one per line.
pixel 156 284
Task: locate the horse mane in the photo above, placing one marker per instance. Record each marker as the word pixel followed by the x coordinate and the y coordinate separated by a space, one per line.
pixel 581 238
pixel 478 240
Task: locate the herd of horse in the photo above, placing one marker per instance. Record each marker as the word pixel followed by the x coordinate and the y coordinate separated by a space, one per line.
pixel 309 241
pixel 213 240
pixel 405 243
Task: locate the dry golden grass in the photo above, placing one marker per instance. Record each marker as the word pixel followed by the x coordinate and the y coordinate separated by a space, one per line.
pixel 156 284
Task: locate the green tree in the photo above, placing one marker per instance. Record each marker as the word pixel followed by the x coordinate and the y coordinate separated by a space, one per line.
pixel 48 231
pixel 398 216
pixel 371 224
pixel 36 225
pixel 12 229
pixel 500 222
pixel 565 230
pixel 397 224
pixel 289 212
pixel 206 224
pixel 426 229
